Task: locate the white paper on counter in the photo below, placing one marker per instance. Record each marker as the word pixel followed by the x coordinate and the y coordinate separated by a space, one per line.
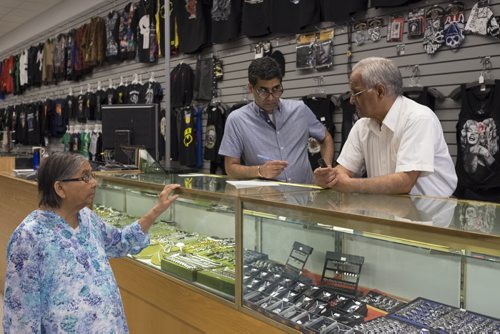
pixel 252 183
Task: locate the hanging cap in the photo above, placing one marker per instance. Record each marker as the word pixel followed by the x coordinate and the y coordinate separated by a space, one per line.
pixel 280 59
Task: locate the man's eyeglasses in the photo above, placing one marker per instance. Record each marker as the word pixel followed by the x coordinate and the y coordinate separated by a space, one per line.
pixel 264 92
pixel 355 95
pixel 85 178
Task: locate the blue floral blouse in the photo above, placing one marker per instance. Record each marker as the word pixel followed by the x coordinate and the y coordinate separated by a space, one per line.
pixel 59 279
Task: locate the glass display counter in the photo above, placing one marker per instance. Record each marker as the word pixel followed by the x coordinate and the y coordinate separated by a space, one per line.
pixel 330 262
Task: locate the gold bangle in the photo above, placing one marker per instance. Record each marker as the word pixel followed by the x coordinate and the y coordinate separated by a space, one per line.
pixel 258 171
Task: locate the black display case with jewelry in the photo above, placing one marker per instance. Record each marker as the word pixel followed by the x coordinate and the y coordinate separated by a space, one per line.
pixel 342 271
pixel 444 318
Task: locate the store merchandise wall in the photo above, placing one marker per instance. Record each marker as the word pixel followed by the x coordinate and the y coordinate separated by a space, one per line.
pixel 444 70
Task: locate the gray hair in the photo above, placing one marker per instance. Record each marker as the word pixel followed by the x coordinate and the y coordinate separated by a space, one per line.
pixel 378 70
pixel 57 166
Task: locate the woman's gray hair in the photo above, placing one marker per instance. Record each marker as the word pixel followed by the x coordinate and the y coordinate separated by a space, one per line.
pixel 57 166
pixel 378 70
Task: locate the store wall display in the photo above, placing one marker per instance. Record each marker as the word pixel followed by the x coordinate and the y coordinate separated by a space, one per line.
pixel 442 71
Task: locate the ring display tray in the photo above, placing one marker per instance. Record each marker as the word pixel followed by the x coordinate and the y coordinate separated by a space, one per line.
pixel 444 318
pixel 342 271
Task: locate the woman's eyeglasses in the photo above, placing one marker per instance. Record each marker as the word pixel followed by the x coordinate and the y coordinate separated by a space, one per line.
pixel 87 177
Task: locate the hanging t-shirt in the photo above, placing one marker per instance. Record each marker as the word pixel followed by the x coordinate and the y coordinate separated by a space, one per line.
pixel 214 131
pixel 256 18
pixel 45 112
pixel 112 38
pixel 478 154
pixel 89 106
pixel 192 19
pixel 421 95
pixel 84 144
pixel 21 125
pixel 70 109
pixel 111 97
pixel 65 141
pixel 127 31
pixel 80 109
pixel 226 20
pixel 151 92
pixel 75 141
pixel 56 119
pixel 181 85
pixel 187 136
pixel 100 98
pixel 349 117
pixel 147 43
pixel 336 11
pixel 33 124
pixel 121 94
pixel 290 17
pixel 323 108
pixel 133 93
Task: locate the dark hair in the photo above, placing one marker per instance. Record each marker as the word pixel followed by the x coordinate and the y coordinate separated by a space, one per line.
pixel 57 166
pixel 263 69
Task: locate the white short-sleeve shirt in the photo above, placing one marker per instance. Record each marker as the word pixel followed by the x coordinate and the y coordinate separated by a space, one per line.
pixel 409 139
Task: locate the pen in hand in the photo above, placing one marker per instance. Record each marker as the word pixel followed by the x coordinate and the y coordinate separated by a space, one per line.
pixel 263 157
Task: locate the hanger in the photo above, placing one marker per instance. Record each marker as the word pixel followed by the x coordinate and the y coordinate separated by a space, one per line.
pixel 70 91
pixel 99 85
pixel 89 89
pixel 121 81
pixel 152 77
pixel 319 91
pixel 110 83
pixel 135 80
pixel 216 96
pixel 484 81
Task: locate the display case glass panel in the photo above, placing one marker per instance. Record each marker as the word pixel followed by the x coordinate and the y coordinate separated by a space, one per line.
pixel 387 253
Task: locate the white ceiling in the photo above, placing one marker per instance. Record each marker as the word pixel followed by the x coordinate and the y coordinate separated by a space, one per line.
pixel 13 13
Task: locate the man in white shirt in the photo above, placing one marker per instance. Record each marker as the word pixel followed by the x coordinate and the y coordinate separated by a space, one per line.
pixel 398 142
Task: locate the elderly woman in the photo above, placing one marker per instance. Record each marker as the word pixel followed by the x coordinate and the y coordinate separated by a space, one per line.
pixel 58 276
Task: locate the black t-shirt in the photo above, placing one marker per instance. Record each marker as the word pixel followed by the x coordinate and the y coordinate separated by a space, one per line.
pixel 46 110
pixel 323 108
pixel 133 92
pixel 21 125
pixel 70 109
pixel 147 43
pixel 112 37
pixel 100 98
pixel 110 96
pixel 151 92
pixel 121 94
pixel 89 106
pixel 226 20
pixel 256 18
pixel 349 117
pixel 478 154
pixel 337 11
pixel 193 22
pixel 181 85
pixel 214 131
pixel 56 119
pixel 290 17
pixel 421 95
pixel 33 124
pixel 80 109
pixel 186 122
